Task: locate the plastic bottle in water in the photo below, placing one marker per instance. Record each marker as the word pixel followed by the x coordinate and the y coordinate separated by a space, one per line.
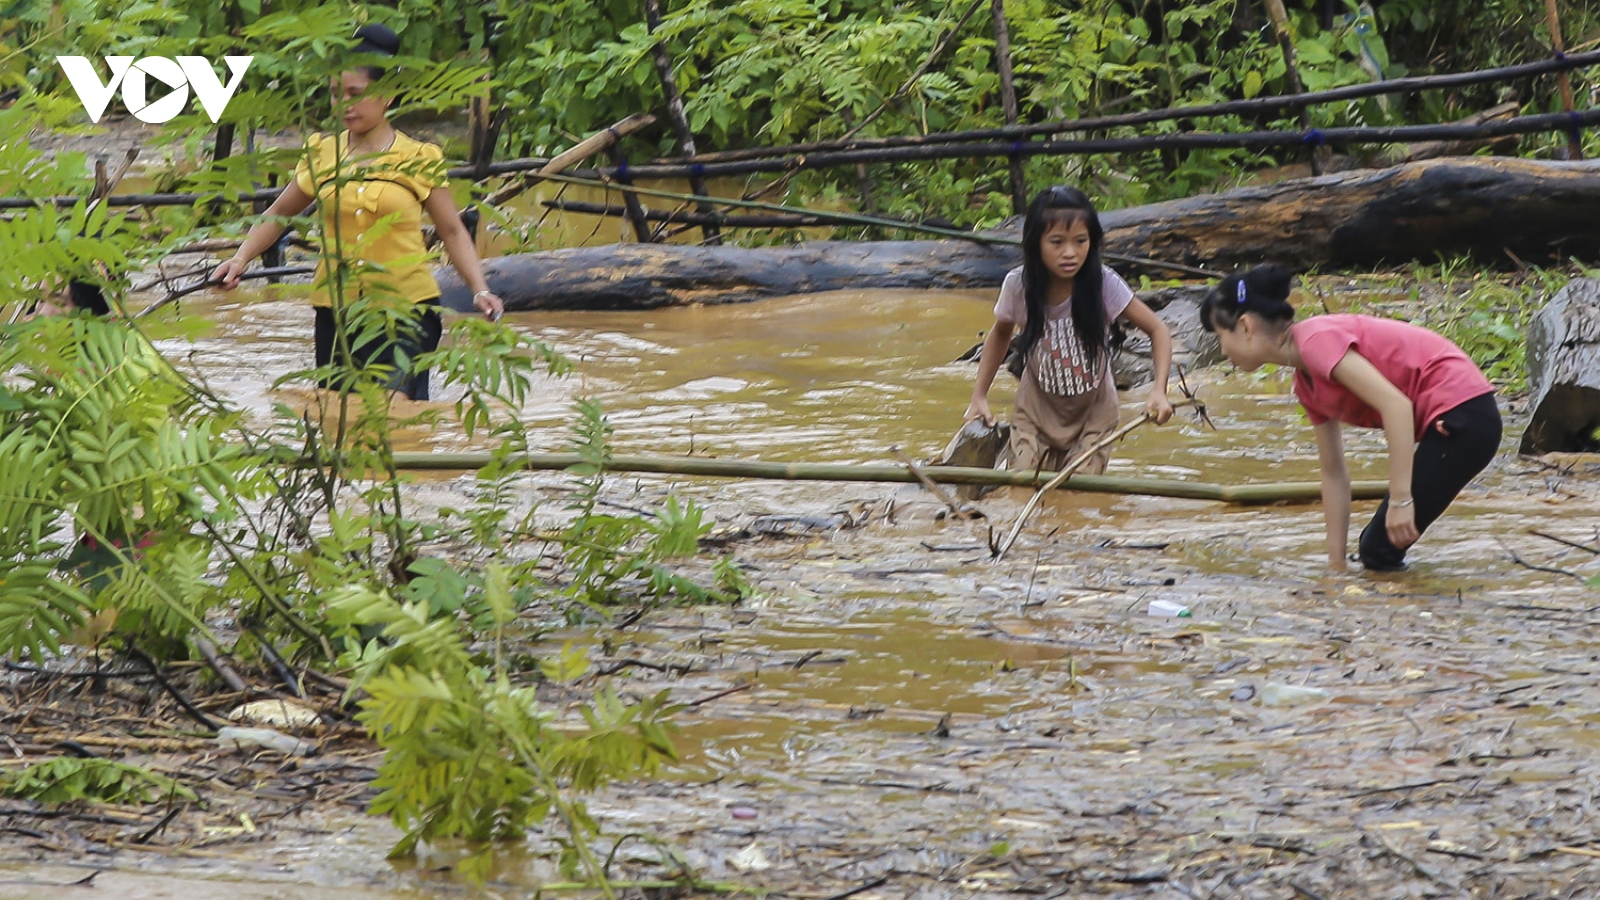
pixel 245 738
pixel 1273 694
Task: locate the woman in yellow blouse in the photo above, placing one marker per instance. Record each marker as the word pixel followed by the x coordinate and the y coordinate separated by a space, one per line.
pixel 369 173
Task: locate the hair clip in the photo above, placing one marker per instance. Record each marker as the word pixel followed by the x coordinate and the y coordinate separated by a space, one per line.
pixel 1240 294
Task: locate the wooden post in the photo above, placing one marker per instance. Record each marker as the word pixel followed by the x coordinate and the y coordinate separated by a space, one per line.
pixel 1008 98
pixel 1563 82
pixel 680 120
pixel 863 180
pixel 630 200
pixel 1280 27
pixel 224 143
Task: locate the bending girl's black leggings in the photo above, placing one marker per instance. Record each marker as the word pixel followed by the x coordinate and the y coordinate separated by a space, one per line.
pixel 1443 465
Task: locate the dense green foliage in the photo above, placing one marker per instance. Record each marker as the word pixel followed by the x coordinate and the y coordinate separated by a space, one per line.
pixel 138 510
pixel 762 72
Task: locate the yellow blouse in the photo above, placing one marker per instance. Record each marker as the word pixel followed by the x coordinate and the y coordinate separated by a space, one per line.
pixel 393 183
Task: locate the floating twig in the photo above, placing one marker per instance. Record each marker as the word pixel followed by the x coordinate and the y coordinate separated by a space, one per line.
pixel 1561 540
pixel 959 509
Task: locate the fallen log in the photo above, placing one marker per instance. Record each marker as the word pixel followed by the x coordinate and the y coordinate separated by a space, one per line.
pixel 1564 372
pixel 1483 206
pixel 1480 206
pixel 648 276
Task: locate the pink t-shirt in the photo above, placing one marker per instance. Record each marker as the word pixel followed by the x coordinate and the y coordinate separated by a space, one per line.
pixel 1433 373
pixel 1058 362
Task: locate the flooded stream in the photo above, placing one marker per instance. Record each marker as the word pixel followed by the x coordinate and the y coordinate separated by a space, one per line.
pixel 909 711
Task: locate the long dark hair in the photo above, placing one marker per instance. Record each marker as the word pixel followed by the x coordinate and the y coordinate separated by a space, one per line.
pixel 1061 205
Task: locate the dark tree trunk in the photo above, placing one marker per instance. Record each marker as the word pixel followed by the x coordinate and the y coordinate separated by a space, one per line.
pixel 1483 206
pixel 1537 210
pixel 646 276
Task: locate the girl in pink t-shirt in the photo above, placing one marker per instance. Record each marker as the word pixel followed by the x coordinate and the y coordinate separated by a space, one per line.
pixel 1434 405
pixel 1064 301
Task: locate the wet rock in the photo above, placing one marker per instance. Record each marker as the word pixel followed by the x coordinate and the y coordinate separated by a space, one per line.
pixel 1192 346
pixel 283 714
pixel 978 445
pixel 788 526
pixel 1243 692
pixel 1564 372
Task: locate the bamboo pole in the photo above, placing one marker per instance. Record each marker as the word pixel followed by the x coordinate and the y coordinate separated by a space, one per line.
pixel 684 217
pixel 579 152
pixel 803 218
pixel 1245 108
pixel 1305 491
pixel 1404 134
pixel 1563 82
pixel 1256 140
pixel 1188 140
pixel 1285 35
pixel 1008 101
pixel 675 113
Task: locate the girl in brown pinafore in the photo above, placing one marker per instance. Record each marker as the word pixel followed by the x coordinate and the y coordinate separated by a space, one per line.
pixel 1065 300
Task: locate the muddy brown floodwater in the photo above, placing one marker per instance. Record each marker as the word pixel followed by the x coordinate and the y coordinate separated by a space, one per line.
pixel 917 721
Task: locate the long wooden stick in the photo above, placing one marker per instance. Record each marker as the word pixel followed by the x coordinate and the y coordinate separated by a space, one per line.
pixel 1063 475
pixel 675 111
pixel 1563 81
pixel 1285 35
pixel 932 486
pixel 1008 101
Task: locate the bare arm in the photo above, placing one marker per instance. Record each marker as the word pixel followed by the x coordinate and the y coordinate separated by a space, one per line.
pixel 463 255
pixel 1335 492
pixel 994 353
pixel 1364 380
pixel 292 202
pixel 1142 317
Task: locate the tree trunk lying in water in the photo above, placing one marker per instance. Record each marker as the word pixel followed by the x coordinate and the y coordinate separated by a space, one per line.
pixel 647 276
pixel 1564 372
pixel 1480 205
pixel 1487 206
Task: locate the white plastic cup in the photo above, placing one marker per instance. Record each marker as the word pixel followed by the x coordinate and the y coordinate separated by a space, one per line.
pixel 1169 608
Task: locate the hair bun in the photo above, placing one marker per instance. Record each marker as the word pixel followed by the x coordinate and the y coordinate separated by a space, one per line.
pixel 379 39
pixel 1271 279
